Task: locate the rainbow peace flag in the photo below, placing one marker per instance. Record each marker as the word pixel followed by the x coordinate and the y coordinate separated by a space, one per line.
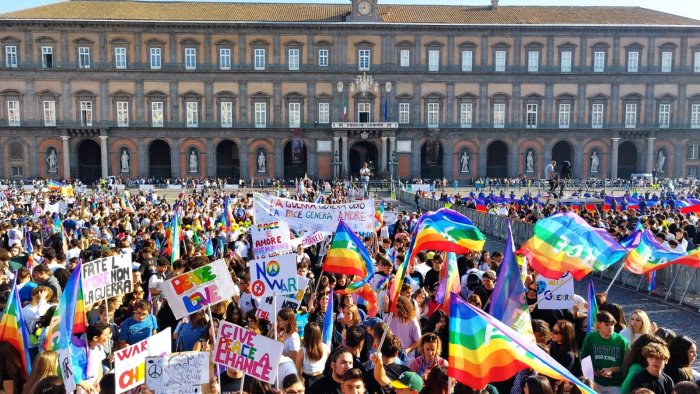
pixel 53 184
pixel 57 224
pixel 691 259
pixel 631 241
pixel 592 308
pixel 327 335
pixel 13 328
pixel 448 231
pixel 379 216
pixel 648 254
pixel 69 318
pixel 174 239
pixel 348 255
pixel 565 242
pixel 483 350
pixel 507 303
pixel 449 282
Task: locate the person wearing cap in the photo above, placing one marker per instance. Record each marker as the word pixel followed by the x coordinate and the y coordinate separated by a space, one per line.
pixel 408 383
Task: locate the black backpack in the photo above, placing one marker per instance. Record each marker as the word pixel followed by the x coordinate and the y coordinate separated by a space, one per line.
pixel 473 281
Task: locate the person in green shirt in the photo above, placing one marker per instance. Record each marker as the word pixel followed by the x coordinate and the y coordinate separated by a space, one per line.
pixel 607 350
pixel 635 361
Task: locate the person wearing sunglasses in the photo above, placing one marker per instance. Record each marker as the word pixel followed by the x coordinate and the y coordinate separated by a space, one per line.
pixel 430 348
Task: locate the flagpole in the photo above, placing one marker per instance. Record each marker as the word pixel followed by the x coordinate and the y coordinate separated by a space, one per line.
pixel 615 277
pixel 242 382
pixel 381 341
pixel 216 366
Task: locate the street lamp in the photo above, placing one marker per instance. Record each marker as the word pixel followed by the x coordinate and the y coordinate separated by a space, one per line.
pixel 336 165
pixel 392 170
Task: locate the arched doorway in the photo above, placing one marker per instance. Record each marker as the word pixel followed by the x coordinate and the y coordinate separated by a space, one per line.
pixel 228 162
pixel 89 161
pixel 561 152
pixel 626 160
pixel 294 159
pixel 497 160
pixel 159 160
pixel 431 158
pixel 364 152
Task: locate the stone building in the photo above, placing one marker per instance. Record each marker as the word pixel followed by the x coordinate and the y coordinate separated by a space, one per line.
pixel 168 89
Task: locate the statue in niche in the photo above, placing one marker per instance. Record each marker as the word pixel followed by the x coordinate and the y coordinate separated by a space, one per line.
pixel 529 162
pixel 262 162
pixel 464 163
pixel 660 161
pixel 595 162
pixel 52 160
pixel 194 165
pixel 126 166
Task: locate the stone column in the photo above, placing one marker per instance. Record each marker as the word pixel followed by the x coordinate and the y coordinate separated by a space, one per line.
pixel 344 149
pixel 66 156
pixel 103 156
pixel 650 154
pixel 613 163
pixel 382 165
pixel 245 172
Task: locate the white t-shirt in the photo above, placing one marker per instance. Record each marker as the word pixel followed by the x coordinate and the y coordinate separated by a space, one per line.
pixel 246 302
pixel 14 237
pixel 292 344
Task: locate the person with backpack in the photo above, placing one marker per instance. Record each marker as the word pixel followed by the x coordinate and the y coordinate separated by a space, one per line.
pixel 471 279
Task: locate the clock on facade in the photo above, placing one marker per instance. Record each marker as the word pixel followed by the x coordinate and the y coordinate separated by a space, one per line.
pixel 364 8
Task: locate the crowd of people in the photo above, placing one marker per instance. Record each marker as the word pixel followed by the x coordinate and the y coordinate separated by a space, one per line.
pixel 638 357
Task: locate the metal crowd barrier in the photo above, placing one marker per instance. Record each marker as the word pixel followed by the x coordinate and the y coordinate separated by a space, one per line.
pixel 676 283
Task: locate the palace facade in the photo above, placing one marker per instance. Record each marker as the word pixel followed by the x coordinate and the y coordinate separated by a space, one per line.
pixel 97 88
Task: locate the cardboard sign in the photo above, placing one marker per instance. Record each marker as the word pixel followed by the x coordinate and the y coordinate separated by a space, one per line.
pixel 266 310
pixel 246 351
pixel 302 283
pixel 300 215
pixel 274 275
pixel 106 277
pixel 178 370
pixel 194 290
pixel 271 239
pixel 555 293
pixel 64 361
pixel 130 362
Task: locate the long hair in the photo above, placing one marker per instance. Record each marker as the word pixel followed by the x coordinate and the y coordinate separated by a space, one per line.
pixel 312 342
pixel 646 324
pixel 431 338
pixel 352 309
pixel 634 355
pixel 678 348
pixel 45 364
pixel 13 365
pixel 568 336
pixel 404 309
pixel 199 319
pixel 436 382
pixel 289 316
pixel 538 384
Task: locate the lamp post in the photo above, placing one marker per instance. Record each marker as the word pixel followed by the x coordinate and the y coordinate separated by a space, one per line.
pixel 336 165
pixel 392 170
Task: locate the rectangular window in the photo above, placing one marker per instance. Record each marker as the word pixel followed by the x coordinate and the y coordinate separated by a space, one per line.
pixel 405 58
pixel 664 115
pixel 323 57
pixel 531 116
pixel 192 113
pixel 630 115
pixel 13 113
pixel 157 114
pixel 632 62
pixel 84 57
pixel 260 114
pixel 404 113
pixel 10 56
pixel 695 116
pixel 260 59
pixel 533 61
pixel 224 58
pixel 566 61
pixel 363 112
pixel 49 113
pixel 120 58
pixel 696 63
pixel 499 116
pixel 467 60
pixel 433 115
pixel 122 114
pixel 190 58
pixel 47 57
pixel 294 115
pixel 599 61
pixel 465 114
pixel 294 59
pixel 433 60
pixel 500 61
pixel 155 58
pixel 17 171
pixel 564 116
pixel 324 115
pixel 363 59
pixel 666 62
pixel 597 116
pixel 86 113
pixel 693 151
pixel 226 114
pixel 692 171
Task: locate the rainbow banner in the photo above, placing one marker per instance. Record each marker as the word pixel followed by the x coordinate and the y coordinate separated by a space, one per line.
pixel 483 350
pixel 174 239
pixel 565 242
pixel 649 254
pixel 327 335
pixel 449 282
pixel 631 241
pixel 448 231
pixel 690 205
pixel 592 308
pixel 348 255
pixel 507 302
pixel 379 216
pixel 691 259
pixel 53 184
pixel 13 328
pixel 69 318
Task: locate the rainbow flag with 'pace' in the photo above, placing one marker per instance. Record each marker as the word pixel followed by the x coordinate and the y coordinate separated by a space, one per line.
pixel 13 328
pixel 649 254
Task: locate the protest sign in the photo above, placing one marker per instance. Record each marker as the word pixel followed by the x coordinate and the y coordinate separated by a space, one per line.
pixel 64 361
pixel 271 239
pixel 307 216
pixel 302 282
pixel 194 290
pixel 106 277
pixel 130 362
pixel 310 239
pixel 253 354
pixel 555 293
pixel 274 275
pixel 267 311
pixel 178 370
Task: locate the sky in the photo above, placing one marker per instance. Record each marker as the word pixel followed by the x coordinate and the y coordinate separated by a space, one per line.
pixel 687 8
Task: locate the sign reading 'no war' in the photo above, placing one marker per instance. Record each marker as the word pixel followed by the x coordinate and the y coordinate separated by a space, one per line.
pixel 274 275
